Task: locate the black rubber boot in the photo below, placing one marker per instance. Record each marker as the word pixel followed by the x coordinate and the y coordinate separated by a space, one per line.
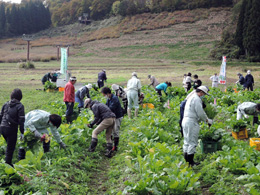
pixel 190 158
pixel 255 120
pixel 116 142
pixel 46 146
pixel 68 118
pixel 186 157
pixel 93 145
pixel 109 150
pixel 21 153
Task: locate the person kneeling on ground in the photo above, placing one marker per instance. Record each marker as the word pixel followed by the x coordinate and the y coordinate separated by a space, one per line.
pixel 80 95
pixel 12 116
pixel 114 104
pixel 38 121
pixel 163 86
pixel 248 108
pixel 105 119
pixel 193 115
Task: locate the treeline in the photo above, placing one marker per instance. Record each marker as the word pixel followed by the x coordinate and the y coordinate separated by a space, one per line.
pixel 24 18
pixel 65 11
pixel 244 41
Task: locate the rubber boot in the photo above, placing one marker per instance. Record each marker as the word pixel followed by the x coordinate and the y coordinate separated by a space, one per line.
pixel 186 156
pixel 21 153
pixel 116 142
pixel 46 146
pixel 129 113
pixel 109 150
pixel 93 145
pixel 68 118
pixel 255 120
pixel 190 158
pixel 136 112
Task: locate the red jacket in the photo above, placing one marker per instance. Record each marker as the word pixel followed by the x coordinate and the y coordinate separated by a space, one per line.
pixel 69 93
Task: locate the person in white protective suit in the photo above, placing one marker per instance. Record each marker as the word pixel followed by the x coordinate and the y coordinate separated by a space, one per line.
pixel 193 115
pixel 248 108
pixel 214 80
pixel 133 93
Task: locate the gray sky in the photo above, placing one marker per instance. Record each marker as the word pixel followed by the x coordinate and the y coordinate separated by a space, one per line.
pixel 13 1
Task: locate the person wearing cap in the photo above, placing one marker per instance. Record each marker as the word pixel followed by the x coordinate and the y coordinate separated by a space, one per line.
pixel 104 119
pixel 121 93
pixel 188 82
pixel 69 98
pixel 241 79
pixel 193 115
pixel 249 81
pixel 114 104
pixel 248 108
pixel 153 80
pixel 39 121
pixel 81 94
pixel 12 116
pixel 133 93
pixel 101 78
pixel 197 82
pixel 163 87
pixel 214 80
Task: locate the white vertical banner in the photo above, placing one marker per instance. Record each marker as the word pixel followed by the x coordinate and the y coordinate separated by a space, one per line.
pixel 222 74
pixel 64 61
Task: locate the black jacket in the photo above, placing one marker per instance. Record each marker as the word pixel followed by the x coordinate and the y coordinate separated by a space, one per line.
pixel 114 104
pixel 249 80
pixel 241 80
pixel 197 84
pixel 12 115
pixel 102 76
pixel 101 112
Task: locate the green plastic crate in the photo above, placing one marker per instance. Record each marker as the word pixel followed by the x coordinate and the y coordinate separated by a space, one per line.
pixel 208 146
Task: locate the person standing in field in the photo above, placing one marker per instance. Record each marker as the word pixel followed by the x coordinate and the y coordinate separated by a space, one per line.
pixel 101 78
pixel 214 80
pixel 38 122
pixel 188 82
pixel 104 119
pixel 249 81
pixel 81 94
pixel 121 93
pixel 12 116
pixel 153 80
pixel 193 115
pixel 197 82
pixel 133 94
pixel 114 104
pixel 241 79
pixel 69 98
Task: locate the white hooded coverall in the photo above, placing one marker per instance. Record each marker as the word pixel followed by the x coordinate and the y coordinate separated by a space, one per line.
pixel 193 114
pixel 133 86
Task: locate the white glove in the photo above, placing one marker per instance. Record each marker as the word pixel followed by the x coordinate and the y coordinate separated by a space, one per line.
pixel 69 103
pixel 246 116
pixel 210 121
pixel 21 137
pixel 37 134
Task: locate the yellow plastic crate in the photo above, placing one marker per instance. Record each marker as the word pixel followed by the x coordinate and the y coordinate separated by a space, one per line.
pixel 148 105
pixel 242 134
pixel 255 142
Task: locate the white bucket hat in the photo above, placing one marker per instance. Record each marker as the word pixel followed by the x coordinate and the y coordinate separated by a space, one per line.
pixel 89 86
pixel 205 89
pixel 134 74
pixel 115 87
pixel 87 102
pixel 249 72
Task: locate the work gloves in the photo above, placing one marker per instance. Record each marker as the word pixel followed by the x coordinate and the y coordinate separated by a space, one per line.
pixel 210 121
pixel 21 137
pixel 90 125
pixel 37 134
pixel 62 145
pixel 69 103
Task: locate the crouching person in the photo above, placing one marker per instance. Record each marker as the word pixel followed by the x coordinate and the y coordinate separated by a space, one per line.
pixel 38 121
pixel 105 119
pixel 114 104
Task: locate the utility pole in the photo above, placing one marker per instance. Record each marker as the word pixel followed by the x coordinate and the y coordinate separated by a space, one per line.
pixel 27 38
pixel 58 52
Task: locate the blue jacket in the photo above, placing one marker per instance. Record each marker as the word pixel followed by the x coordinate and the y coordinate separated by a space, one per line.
pixel 114 104
pixel 162 86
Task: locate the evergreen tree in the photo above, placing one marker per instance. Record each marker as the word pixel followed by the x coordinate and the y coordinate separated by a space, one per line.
pixel 245 30
pixel 2 20
pixel 240 27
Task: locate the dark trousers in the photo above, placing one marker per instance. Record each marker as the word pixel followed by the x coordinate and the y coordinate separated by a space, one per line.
pixel 159 92
pixel 100 83
pixel 250 87
pixel 70 107
pixel 10 135
pixel 125 103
